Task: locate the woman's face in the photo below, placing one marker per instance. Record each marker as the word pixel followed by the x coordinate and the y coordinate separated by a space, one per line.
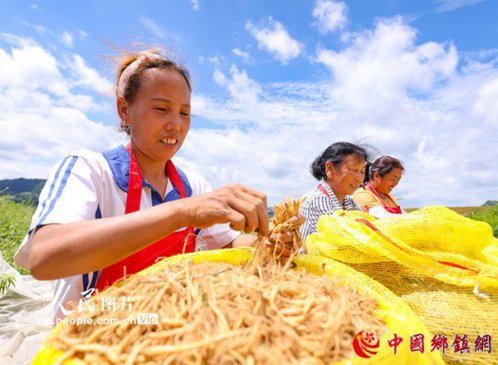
pixel 385 184
pixel 159 114
pixel 348 176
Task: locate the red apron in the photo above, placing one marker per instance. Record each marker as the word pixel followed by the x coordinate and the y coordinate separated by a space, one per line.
pixel 392 210
pixel 174 244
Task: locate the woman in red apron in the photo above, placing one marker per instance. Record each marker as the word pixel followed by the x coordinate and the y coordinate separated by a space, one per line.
pixel 182 241
pixel 153 103
pixel 381 178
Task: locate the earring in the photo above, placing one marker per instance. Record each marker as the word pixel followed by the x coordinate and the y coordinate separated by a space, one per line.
pixel 126 127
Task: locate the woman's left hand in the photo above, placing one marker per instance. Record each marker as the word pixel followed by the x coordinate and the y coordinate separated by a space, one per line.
pixel 283 245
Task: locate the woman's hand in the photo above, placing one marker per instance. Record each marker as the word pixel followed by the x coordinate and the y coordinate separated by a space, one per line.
pixel 283 245
pixel 61 250
pixel 243 208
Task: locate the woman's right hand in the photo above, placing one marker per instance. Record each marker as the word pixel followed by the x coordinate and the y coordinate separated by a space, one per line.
pixel 243 208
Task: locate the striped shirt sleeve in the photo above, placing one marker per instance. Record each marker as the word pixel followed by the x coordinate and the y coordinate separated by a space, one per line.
pixel 69 195
pixel 312 210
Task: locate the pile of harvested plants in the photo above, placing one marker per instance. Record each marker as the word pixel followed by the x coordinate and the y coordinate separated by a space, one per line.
pixel 218 313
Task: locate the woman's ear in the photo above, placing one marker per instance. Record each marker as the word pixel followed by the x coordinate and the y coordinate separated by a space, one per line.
pixel 329 169
pixel 122 107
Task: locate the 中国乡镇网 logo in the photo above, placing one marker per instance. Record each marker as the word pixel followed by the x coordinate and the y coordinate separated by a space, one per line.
pixel 365 344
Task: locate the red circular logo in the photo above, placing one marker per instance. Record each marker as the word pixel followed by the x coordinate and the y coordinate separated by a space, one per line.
pixel 365 344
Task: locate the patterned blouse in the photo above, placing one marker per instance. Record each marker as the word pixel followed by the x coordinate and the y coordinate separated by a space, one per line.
pixel 318 203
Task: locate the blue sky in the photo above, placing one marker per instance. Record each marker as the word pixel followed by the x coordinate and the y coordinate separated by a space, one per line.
pixel 275 82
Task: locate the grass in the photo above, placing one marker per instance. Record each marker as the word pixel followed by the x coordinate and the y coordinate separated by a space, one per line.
pixel 487 214
pixel 466 211
pixel 6 280
pixel 14 223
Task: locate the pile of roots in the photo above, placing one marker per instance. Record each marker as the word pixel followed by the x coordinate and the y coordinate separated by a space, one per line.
pixel 218 313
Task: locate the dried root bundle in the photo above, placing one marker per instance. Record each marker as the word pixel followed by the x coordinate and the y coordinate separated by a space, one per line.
pixel 216 313
pixel 286 222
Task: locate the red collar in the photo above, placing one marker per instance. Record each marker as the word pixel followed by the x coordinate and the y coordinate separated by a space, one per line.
pixel 369 186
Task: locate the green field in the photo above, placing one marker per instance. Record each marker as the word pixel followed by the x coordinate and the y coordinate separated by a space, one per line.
pixel 15 219
pixel 14 222
pixel 486 214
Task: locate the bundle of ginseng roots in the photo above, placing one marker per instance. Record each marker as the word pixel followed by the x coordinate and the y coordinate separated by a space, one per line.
pixel 218 313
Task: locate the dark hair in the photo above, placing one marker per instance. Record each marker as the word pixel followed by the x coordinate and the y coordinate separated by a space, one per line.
pixel 336 153
pixel 383 165
pixel 134 79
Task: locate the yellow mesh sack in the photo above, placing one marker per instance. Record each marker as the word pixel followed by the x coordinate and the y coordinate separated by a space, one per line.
pixel 491 253
pixel 398 317
pixel 452 287
pixel 421 229
pixel 377 246
pixel 340 245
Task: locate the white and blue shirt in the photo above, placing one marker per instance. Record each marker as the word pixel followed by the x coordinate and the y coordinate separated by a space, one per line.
pixel 90 185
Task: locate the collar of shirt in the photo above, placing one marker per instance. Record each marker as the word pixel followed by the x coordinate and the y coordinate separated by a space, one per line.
pixel 119 163
pixel 348 203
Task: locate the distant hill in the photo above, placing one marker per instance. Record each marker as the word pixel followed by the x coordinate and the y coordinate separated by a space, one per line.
pixel 271 212
pixel 490 203
pixel 22 190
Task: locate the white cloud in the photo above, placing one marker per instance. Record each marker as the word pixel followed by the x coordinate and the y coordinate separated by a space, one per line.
pixel 219 78
pixel 275 39
pixel 67 39
pixel 82 34
pixel 257 159
pixel 36 27
pixel 214 60
pixel 486 105
pixel 450 5
pixel 406 99
pixel 244 55
pixel 242 88
pixel 153 27
pixel 425 103
pixel 195 5
pixel 30 66
pixel 42 117
pixel 331 15
pixel 382 67
pixel 89 77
